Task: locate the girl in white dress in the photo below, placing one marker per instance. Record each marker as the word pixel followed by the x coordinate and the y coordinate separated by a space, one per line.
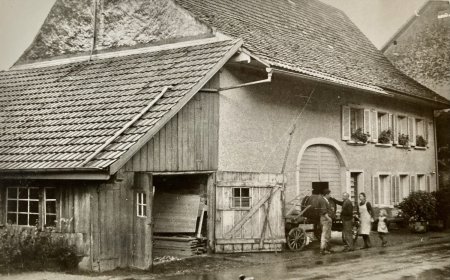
pixel 382 227
pixel 366 218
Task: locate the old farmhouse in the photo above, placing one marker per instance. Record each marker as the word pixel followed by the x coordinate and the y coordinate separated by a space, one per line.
pixel 132 130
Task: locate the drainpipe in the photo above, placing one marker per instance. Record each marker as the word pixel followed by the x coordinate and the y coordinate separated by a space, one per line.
pixel 94 29
pixel 436 149
pixel 268 80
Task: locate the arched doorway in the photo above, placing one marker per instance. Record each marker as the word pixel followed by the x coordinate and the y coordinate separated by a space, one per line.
pixel 320 160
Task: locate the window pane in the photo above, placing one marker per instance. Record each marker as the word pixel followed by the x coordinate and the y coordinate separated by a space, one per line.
pixel 12 192
pixel 50 220
pixel 144 198
pixel 23 193
pixel 236 202
pixel 23 219
pixel 23 206
pixel 12 219
pixel 144 211
pixel 236 192
pixel 12 206
pixel 50 193
pixel 34 193
pixel 34 206
pixel 245 202
pixel 50 207
pixel 245 192
pixel 34 220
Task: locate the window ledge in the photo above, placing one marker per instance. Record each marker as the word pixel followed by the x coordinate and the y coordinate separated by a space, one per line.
pixel 353 143
pixel 383 145
pixel 403 147
pixel 420 148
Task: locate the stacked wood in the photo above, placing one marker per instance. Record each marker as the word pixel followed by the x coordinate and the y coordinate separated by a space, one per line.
pixel 180 246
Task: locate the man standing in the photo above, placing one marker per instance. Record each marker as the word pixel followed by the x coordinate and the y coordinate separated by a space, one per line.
pixel 326 213
pixel 347 221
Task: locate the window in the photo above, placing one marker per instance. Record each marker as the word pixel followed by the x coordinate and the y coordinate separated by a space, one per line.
pixel 384 125
pixel 24 206
pixel 382 189
pixel 404 185
pixel 402 125
pixel 241 198
pixel 420 182
pixel 141 204
pixel 421 135
pixel 356 119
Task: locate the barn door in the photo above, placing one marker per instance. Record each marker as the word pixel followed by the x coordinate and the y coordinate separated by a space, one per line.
pixel 249 212
pixel 142 256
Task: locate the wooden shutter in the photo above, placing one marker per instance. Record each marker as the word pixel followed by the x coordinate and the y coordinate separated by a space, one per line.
pixel 430 133
pixel 393 192
pixel 374 121
pixel 346 134
pixel 412 187
pixel 367 124
pixel 428 183
pixel 398 188
pixel 395 129
pixel 412 131
pixel 375 189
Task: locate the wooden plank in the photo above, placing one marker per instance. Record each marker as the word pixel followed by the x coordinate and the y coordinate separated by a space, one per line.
pixel 150 155
pixel 175 151
pixel 144 158
pixel 175 213
pixel 198 133
pixel 249 241
pixel 162 149
pixel 156 152
pixel 254 209
pixel 169 147
pixel 191 136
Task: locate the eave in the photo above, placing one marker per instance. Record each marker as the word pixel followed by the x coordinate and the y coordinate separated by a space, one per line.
pixel 56 174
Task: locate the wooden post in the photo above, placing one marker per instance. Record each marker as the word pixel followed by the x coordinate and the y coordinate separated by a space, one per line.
pixel 147 186
pixel 211 194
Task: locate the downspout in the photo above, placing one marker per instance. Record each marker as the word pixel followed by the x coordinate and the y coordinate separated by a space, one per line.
pixel 268 80
pixel 436 159
pixel 125 127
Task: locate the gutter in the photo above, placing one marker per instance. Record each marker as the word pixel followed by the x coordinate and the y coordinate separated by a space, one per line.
pixel 268 80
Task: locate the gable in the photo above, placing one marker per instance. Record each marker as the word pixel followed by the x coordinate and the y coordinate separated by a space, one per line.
pixel 68 29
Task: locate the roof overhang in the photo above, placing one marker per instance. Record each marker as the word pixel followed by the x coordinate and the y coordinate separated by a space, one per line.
pixel 56 174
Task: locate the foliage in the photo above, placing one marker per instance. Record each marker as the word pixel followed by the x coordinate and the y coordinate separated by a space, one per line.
pixel 443 203
pixel 419 206
pixel 403 139
pixel 360 136
pixel 420 141
pixel 385 137
pixel 32 249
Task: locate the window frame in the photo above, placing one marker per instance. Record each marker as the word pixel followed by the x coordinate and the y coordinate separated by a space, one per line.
pixel 41 207
pixel 240 197
pixel 141 204
pixel 384 197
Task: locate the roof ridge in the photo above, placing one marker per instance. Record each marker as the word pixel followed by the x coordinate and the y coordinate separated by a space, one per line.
pixel 217 38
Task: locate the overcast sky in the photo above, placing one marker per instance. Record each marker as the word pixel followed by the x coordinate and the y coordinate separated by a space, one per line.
pixel 20 20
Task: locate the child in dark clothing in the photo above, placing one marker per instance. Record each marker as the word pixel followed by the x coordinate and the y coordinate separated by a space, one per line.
pixel 382 227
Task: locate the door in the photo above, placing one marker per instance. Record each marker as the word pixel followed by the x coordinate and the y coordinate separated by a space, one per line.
pixel 319 163
pixel 249 212
pixel 354 188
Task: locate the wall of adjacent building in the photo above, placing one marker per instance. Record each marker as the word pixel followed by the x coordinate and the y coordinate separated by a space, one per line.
pixel 255 122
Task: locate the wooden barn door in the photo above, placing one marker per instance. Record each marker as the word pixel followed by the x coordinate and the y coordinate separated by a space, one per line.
pixel 142 256
pixel 249 212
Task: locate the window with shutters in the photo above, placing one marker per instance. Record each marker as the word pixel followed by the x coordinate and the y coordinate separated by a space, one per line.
pixel 404 186
pixel 355 124
pixel 356 119
pixel 31 206
pixel 421 137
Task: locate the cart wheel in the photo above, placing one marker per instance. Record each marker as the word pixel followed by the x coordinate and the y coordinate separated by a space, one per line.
pixel 296 239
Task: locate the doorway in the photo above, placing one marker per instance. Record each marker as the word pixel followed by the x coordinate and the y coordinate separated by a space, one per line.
pixel 356 186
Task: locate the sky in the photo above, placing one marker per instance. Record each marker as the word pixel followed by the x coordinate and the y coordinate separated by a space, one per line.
pixel 20 21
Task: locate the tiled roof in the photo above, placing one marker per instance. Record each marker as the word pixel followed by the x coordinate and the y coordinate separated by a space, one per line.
pixel 57 116
pixel 306 36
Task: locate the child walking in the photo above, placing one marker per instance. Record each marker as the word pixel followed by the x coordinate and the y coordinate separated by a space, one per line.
pixel 382 227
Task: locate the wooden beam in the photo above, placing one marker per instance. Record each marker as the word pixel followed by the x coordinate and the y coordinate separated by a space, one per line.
pixel 60 175
pixel 211 196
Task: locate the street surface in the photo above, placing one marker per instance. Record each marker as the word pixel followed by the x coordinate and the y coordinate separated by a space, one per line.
pixel 426 258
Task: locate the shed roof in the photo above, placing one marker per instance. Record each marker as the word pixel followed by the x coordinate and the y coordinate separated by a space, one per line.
pixel 57 116
pixel 309 37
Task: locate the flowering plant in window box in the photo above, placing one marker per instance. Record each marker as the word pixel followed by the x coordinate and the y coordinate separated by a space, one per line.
pixel 359 136
pixel 403 140
pixel 420 141
pixel 385 137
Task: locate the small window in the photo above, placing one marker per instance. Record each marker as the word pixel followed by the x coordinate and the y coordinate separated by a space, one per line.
pixel 405 186
pixel 50 207
pixel 241 198
pixel 384 123
pixel 141 204
pixel 421 137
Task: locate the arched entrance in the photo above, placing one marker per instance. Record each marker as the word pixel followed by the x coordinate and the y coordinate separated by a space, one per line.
pixel 320 160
